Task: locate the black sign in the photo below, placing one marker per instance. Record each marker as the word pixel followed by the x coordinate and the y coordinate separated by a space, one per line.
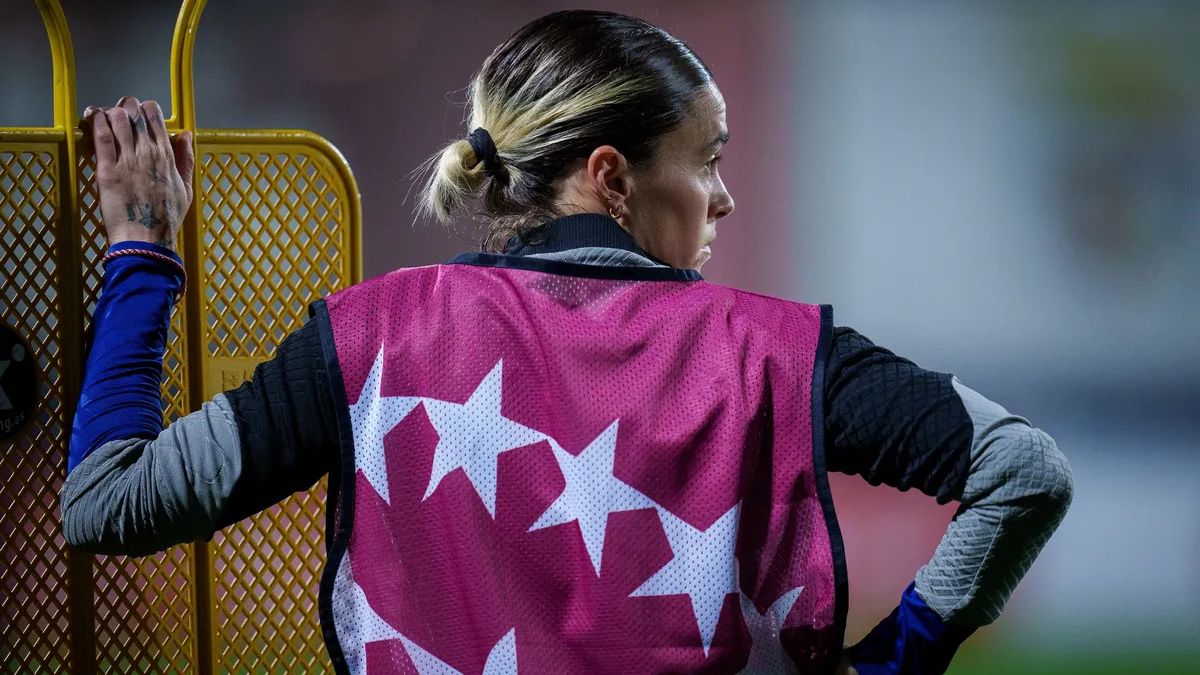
pixel 18 383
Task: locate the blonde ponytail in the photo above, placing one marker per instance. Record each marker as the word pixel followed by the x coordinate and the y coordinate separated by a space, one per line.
pixel 456 180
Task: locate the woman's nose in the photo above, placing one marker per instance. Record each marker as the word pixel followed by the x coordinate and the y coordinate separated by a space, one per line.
pixel 723 205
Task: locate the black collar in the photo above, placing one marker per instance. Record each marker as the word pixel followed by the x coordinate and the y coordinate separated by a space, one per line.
pixel 578 230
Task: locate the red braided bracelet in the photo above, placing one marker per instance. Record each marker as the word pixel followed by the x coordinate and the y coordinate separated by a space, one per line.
pixel 153 254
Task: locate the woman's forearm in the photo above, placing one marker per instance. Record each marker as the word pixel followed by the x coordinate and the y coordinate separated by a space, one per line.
pixel 895 423
pixel 131 486
pixel 243 451
pixel 120 397
pixel 1018 490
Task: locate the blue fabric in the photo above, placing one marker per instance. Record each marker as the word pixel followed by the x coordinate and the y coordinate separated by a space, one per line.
pixel 123 369
pixel 913 640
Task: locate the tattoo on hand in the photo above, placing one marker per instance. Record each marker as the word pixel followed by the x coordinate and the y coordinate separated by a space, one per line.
pixel 168 234
pixel 144 214
pixel 156 175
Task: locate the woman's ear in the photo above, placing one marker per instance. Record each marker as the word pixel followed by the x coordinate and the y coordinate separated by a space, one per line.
pixel 609 174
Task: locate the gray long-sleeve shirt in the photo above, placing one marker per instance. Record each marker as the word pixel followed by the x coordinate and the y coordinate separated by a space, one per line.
pixel 888 420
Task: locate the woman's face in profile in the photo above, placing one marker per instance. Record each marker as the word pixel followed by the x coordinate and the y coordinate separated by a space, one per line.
pixel 677 200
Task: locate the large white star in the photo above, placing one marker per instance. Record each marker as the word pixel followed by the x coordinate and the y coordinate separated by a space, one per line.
pixel 592 492
pixel 766 652
pixel 502 660
pixel 472 435
pixel 703 568
pixel 372 416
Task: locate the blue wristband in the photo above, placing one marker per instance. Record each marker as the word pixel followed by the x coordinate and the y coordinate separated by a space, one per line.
pixel 120 397
pixel 913 640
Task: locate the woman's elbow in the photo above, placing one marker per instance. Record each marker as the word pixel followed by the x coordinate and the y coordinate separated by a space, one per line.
pixel 97 507
pixel 1045 474
pixel 78 516
pixel 88 526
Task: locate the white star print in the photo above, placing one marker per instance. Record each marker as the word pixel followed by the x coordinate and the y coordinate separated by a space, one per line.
pixel 472 435
pixel 592 492
pixel 703 568
pixel 766 652
pixel 372 417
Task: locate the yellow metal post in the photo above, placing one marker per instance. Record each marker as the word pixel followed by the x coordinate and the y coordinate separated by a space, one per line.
pixel 80 587
pixel 183 118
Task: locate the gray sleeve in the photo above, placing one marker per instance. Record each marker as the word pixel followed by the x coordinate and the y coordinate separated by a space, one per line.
pixel 140 496
pixel 1017 491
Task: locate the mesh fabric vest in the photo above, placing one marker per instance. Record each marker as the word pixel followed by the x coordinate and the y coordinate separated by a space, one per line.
pixel 559 468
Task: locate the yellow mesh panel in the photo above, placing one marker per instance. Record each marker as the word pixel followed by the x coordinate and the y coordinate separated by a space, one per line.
pixel 35 624
pixel 274 241
pixel 268 571
pixel 276 225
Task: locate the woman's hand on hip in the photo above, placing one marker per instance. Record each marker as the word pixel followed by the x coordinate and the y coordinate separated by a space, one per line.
pixel 143 176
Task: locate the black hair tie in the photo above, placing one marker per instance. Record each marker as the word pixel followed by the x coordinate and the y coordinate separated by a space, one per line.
pixel 485 151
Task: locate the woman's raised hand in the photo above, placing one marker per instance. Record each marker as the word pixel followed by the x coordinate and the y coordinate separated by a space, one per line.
pixel 144 177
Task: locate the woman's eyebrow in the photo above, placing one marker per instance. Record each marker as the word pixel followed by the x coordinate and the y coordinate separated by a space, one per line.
pixel 721 139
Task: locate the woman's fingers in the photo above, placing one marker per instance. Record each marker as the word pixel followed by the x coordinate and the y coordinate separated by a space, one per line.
pixel 137 121
pixel 143 177
pixel 122 130
pixel 156 127
pixel 113 133
pixel 131 105
pixel 102 137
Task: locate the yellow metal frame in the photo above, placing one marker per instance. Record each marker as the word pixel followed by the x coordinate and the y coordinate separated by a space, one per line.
pixel 272 265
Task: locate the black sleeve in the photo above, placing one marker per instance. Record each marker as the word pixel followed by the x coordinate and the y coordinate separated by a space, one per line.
pixel 892 422
pixel 286 423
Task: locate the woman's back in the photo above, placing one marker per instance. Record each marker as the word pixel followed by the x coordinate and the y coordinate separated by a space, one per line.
pixel 576 454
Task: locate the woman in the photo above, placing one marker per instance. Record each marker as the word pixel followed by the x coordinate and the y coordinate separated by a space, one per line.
pixel 568 452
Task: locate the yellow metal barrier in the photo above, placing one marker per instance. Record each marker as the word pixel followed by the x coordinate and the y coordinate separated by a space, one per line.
pixel 276 223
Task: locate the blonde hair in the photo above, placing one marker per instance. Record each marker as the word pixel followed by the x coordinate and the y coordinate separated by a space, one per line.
pixel 559 87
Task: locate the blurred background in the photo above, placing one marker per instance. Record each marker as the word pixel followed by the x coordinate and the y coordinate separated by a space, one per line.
pixel 1005 191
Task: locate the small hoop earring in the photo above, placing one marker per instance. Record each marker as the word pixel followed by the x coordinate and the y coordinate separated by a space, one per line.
pixel 614 211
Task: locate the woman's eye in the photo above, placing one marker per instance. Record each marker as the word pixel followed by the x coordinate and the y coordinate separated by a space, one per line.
pixel 713 162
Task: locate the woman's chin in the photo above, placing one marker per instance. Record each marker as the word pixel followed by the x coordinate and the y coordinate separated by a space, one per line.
pixel 702 257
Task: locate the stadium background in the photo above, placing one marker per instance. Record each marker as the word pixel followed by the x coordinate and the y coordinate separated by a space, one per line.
pixel 1009 192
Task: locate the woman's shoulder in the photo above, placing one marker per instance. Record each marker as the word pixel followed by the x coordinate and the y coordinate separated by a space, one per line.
pixel 848 346
pixel 383 282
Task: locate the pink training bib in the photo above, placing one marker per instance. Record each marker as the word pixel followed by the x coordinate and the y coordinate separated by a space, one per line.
pixel 562 468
